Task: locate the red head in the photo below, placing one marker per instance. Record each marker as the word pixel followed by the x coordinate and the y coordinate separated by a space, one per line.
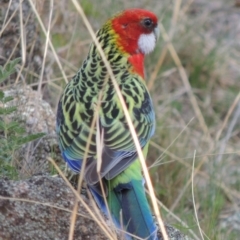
pixel 137 30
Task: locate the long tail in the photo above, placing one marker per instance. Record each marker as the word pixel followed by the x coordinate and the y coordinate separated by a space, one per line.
pixel 130 199
pixel 129 207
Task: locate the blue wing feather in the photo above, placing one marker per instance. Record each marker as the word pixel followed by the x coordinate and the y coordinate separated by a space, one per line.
pixel 75 165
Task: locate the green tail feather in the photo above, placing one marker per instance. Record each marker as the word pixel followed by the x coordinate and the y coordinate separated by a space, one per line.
pixel 127 195
pixel 130 200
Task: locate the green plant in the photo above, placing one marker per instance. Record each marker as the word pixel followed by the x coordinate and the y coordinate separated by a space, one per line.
pixel 12 132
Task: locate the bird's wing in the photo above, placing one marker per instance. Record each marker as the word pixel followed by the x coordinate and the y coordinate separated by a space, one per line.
pixel 119 149
pixel 74 128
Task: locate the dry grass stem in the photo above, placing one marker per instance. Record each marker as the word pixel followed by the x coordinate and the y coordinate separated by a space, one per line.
pixel 5 24
pixel 46 47
pixel 23 42
pixel 230 129
pixel 185 127
pixel 156 68
pixel 73 220
pixel 41 203
pixel 229 113
pixel 50 42
pixel 186 83
pixel 229 192
pixel 193 198
pixel 100 223
pixel 170 213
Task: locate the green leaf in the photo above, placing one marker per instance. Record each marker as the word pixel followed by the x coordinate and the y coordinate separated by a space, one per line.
pixel 8 69
pixel 1 95
pixel 12 131
pixel 2 126
pixel 12 126
pixel 29 138
pixel 7 110
pixel 7 99
pixel 19 130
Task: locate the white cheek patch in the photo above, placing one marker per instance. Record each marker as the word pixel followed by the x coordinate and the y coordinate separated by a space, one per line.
pixel 146 43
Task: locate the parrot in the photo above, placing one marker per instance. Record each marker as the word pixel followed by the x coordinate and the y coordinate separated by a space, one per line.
pixel 90 106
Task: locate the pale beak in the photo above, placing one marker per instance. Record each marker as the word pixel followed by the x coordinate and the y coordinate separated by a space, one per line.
pixel 156 32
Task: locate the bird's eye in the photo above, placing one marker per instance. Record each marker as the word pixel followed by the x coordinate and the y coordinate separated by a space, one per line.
pixel 147 22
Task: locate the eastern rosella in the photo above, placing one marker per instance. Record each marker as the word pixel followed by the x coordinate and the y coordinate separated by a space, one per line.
pixel 125 39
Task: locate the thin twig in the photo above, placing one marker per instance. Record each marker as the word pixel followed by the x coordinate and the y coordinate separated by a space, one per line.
pixel 23 41
pixel 46 48
pixel 50 42
pixel 185 127
pixel 165 48
pixel 170 213
pixel 229 192
pixel 105 230
pixel 193 198
pixel 232 124
pixel 43 204
pixel 186 83
pixel 229 113
pixel 4 24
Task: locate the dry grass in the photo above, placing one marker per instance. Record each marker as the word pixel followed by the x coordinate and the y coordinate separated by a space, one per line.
pixel 193 76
